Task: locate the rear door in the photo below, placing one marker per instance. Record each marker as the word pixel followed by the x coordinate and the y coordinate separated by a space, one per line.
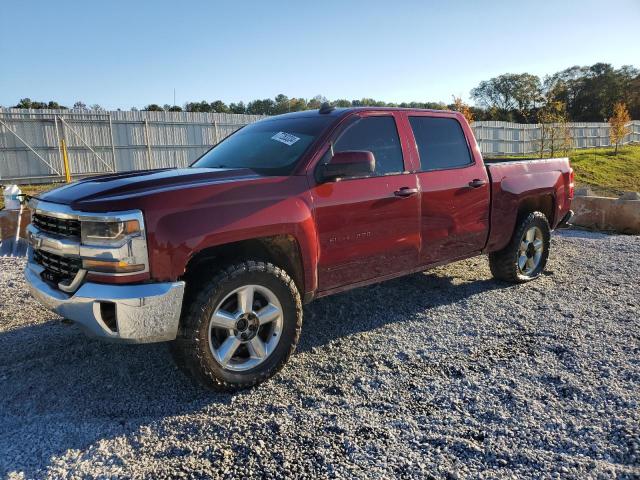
pixel 455 191
pixel 368 227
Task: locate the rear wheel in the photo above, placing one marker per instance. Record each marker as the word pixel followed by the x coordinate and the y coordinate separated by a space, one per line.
pixel 525 257
pixel 241 328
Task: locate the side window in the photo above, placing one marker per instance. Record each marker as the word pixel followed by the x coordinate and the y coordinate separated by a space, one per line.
pixel 378 135
pixel 441 143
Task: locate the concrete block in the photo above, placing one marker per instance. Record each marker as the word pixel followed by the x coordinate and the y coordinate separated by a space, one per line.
pixel 609 214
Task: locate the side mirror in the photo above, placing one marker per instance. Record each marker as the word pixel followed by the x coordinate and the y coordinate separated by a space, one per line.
pixel 355 163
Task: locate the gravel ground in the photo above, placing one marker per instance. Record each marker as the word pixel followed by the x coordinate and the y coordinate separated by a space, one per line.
pixel 446 374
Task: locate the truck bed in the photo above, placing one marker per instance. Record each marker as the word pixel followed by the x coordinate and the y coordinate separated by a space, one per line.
pixel 542 183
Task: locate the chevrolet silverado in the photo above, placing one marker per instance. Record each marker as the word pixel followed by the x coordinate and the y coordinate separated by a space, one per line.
pixel 219 257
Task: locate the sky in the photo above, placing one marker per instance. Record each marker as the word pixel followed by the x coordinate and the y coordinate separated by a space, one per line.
pixel 121 54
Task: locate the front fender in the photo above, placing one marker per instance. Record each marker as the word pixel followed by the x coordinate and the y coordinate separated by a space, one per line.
pixel 265 208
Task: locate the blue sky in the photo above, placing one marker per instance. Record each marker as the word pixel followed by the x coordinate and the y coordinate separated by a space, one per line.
pixel 121 54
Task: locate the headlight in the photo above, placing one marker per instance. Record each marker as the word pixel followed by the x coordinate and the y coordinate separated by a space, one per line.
pixel 114 244
pixel 108 233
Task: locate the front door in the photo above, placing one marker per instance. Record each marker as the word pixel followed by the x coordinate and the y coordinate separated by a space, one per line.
pixel 368 227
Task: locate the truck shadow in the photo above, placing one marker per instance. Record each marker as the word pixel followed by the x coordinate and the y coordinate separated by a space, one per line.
pixel 375 306
pixel 62 390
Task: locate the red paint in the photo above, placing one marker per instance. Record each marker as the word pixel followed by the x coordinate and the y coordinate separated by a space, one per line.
pixel 350 232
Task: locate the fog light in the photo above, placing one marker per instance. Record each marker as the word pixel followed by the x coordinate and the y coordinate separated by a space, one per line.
pixel 108 314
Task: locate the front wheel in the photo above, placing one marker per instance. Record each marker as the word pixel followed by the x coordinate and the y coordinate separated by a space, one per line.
pixel 525 257
pixel 241 328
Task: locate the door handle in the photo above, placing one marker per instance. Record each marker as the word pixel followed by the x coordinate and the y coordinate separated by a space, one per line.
pixel 405 192
pixel 477 183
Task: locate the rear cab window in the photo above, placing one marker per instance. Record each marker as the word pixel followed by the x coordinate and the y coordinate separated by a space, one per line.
pixel 441 143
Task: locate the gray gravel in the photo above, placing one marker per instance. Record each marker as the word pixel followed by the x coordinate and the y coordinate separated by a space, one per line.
pixel 444 374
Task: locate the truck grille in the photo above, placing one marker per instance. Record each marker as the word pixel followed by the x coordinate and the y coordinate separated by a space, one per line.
pixel 59 226
pixel 57 268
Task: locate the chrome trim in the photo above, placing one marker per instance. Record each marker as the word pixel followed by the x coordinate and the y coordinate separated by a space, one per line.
pixel 145 312
pixel 52 243
pixel 75 283
pixel 66 212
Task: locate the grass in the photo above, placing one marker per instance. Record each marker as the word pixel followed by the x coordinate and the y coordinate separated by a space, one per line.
pixel 597 168
pixel 32 190
pixel 605 173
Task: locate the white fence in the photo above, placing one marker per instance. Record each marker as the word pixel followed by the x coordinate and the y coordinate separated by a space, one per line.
pixel 118 141
pixel 504 138
pixel 105 141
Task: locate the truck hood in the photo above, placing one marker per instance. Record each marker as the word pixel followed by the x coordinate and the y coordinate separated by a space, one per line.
pixel 132 184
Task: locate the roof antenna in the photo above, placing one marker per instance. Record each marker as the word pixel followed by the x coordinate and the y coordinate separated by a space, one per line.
pixel 326 108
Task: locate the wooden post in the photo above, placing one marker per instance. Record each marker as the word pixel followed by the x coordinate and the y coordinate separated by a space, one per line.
pixel 148 140
pixel 65 158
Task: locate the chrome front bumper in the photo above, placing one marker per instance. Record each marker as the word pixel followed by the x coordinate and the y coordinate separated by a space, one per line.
pixel 144 313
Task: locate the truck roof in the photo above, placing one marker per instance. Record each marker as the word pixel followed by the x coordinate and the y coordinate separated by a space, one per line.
pixel 340 111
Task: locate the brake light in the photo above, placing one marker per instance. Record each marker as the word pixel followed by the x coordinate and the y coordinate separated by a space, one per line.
pixel 572 185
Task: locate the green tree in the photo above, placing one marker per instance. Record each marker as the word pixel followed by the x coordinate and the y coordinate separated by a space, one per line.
pixel 219 106
pixel 238 107
pixel 510 94
pixel 153 107
pixel 342 103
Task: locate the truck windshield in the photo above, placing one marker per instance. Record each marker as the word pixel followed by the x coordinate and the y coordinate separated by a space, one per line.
pixel 269 147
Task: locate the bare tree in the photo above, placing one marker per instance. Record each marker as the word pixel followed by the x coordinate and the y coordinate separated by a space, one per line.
pixel 618 123
pixel 555 133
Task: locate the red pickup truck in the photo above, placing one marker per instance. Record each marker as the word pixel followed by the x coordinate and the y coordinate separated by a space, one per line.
pixel 220 257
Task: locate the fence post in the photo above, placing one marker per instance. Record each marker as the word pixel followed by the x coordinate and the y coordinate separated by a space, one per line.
pixel 216 135
pixel 147 139
pixel 55 121
pixel 113 146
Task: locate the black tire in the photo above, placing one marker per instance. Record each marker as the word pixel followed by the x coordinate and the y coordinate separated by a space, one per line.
pixel 504 263
pixel 191 349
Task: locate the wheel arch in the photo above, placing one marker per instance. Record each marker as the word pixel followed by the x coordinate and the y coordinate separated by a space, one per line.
pixel 283 251
pixel 544 203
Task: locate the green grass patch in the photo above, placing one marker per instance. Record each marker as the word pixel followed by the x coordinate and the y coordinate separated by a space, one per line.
pixel 605 173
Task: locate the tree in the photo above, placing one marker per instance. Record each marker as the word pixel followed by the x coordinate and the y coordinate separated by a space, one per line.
pixel 509 93
pixel 463 108
pixel 153 107
pixel 261 107
pixel 202 106
pixel 283 104
pixel 341 103
pixel 618 124
pixel 316 102
pixel 591 92
pixel 238 107
pixel 555 132
pixel 28 103
pixel 80 105
pixel 174 108
pixel 97 108
pixel 219 106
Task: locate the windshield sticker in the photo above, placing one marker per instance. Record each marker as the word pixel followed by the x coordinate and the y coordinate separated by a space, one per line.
pixel 285 138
